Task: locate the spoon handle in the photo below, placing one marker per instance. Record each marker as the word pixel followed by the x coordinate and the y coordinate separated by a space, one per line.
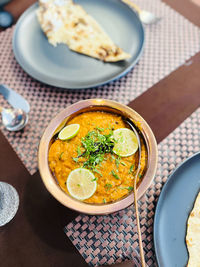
pixel 14 99
pixel 135 194
pixel 138 223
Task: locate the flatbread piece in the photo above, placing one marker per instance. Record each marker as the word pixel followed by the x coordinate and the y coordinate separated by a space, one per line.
pixel 65 22
pixel 193 235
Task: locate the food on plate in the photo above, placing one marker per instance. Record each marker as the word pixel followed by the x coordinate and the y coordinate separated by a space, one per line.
pixel 193 235
pixel 87 167
pixel 65 22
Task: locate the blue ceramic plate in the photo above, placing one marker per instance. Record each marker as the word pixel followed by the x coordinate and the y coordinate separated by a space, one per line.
pixel 59 66
pixel 174 205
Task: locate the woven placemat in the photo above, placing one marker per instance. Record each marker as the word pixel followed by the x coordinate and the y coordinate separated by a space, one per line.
pixel 169 44
pixel 113 238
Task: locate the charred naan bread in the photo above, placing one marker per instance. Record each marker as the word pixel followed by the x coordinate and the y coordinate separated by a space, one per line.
pixel 193 235
pixel 65 22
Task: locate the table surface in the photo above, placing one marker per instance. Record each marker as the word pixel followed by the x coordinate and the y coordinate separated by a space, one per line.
pixel 35 236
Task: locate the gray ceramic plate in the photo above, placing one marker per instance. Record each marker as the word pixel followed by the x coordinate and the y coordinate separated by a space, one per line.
pixel 63 68
pixel 173 208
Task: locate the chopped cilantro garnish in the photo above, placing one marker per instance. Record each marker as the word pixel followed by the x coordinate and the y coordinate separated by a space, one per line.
pixel 100 129
pixel 96 145
pixel 97 171
pixel 112 158
pixel 115 175
pixel 130 188
pixel 104 200
pixel 108 186
pixel 61 154
pixel 79 151
pixel 131 168
pixel 75 159
pixel 95 179
pixel 117 161
pixel 78 185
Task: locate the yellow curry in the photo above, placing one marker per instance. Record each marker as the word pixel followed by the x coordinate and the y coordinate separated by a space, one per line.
pixel 114 174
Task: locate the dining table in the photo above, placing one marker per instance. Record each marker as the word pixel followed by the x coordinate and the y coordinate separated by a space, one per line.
pixel 44 232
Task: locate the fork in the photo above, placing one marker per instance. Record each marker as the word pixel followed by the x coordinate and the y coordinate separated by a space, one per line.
pixel 145 16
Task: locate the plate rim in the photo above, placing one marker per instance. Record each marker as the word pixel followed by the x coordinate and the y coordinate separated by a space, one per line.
pixel 45 81
pixel 159 202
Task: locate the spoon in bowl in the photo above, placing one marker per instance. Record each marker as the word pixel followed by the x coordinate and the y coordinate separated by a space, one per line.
pixel 13 119
pixel 135 192
pixel 131 263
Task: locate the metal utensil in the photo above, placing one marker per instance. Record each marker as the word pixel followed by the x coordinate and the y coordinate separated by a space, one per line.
pixel 135 192
pixel 14 99
pixel 131 263
pixel 14 119
pixel 145 16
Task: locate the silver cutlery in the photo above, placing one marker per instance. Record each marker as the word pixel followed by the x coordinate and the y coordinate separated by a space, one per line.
pixel 14 99
pixel 143 264
pixel 145 16
pixel 14 119
pixel 134 262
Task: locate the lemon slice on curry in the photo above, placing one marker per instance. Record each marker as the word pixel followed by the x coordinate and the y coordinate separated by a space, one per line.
pixel 69 131
pixel 126 143
pixel 81 183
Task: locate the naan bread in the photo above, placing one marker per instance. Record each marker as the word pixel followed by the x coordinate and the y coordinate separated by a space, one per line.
pixel 193 235
pixel 65 22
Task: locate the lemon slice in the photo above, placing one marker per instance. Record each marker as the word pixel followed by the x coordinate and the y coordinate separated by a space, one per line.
pixel 69 131
pixel 126 142
pixel 81 183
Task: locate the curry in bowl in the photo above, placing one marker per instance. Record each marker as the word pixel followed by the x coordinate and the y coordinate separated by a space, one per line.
pixel 95 156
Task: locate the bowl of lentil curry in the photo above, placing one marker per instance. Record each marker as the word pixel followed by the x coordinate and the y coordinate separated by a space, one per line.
pixel 85 161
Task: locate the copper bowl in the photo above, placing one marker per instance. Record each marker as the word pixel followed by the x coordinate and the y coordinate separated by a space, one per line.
pixel 57 124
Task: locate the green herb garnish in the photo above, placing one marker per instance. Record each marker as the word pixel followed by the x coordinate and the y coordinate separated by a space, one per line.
pixel 61 154
pixel 100 129
pixel 130 188
pixel 112 158
pixel 75 159
pixel 115 175
pixel 104 200
pixel 95 179
pixel 108 186
pixel 97 171
pixel 79 151
pixel 96 145
pixel 131 169
pixel 117 161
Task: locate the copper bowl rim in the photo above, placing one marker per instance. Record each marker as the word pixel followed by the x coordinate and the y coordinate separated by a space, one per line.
pixel 50 182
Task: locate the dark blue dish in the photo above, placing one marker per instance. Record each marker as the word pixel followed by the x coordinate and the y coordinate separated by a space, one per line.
pixel 174 206
pixel 59 66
